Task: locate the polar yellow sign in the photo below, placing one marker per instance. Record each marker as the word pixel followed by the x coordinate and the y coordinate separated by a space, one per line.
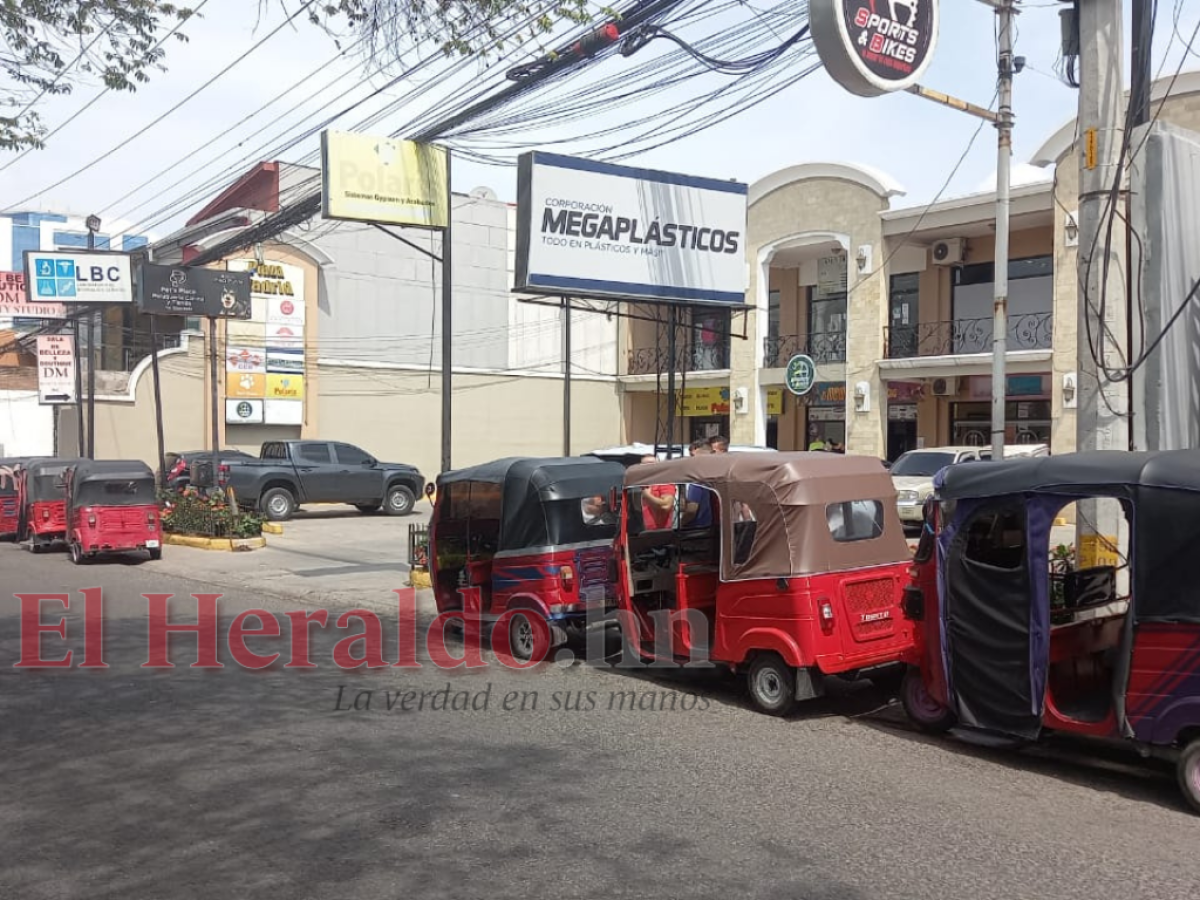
pixel 379 179
pixel 285 387
pixel 1098 550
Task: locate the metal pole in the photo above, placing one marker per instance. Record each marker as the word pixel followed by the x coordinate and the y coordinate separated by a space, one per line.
pixel 213 395
pixel 672 322
pixel 80 425
pixel 158 408
pixel 1100 422
pixel 91 391
pixel 447 325
pixel 1004 125
pixel 566 376
pixel 1141 76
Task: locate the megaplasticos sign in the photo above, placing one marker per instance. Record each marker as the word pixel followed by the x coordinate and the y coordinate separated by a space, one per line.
pixel 874 47
pixel 187 291
pixel 590 229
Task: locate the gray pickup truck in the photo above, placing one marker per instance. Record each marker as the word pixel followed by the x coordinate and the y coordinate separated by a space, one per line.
pixel 290 474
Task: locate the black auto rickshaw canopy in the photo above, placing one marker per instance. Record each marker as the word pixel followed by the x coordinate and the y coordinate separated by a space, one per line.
pixel 44 479
pixel 994 568
pixel 108 482
pixel 527 502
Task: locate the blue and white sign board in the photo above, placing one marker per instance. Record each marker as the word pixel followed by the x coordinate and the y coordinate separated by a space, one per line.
pixel 590 229
pixel 66 277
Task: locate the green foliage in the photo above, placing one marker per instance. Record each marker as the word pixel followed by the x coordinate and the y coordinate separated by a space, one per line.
pixel 51 44
pixel 207 515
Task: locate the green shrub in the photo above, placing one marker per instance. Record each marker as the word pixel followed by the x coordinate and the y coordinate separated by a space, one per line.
pixel 191 512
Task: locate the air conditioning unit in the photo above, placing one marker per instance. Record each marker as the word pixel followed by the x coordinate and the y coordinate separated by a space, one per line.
pixel 945 387
pixel 949 252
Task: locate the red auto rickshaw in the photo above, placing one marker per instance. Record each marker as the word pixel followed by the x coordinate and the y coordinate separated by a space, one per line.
pixel 785 566
pixel 1015 644
pixel 112 507
pixel 10 500
pixel 43 502
pixel 534 536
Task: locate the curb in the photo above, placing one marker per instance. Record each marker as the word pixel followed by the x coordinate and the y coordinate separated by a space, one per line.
pixel 272 528
pixel 201 543
pixel 419 579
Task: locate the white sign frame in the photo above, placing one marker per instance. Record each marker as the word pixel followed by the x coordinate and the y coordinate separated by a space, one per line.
pixel 56 352
pixel 92 277
pixel 591 229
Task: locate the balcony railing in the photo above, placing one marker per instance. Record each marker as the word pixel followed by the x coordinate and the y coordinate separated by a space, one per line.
pixel 822 347
pixel 1029 331
pixel 649 360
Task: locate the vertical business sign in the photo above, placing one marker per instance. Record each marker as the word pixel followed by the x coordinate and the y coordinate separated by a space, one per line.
pixel 267 349
pixel 874 47
pixel 56 369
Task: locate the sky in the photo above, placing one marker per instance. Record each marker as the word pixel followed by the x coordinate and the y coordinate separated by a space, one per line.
pixel 213 135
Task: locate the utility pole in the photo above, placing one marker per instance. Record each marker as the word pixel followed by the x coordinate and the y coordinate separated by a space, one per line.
pixel 1101 422
pixel 93 225
pixel 1006 17
pixel 448 326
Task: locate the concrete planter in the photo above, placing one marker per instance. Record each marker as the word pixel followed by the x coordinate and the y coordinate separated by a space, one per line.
pixel 202 543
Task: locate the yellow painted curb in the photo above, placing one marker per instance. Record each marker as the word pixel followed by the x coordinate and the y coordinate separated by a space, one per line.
pixel 200 543
pixel 272 528
pixel 419 579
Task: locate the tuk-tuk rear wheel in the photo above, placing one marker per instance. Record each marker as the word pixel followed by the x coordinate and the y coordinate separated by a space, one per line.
pixel 77 554
pixel 772 684
pixel 921 708
pixel 521 638
pixel 156 553
pixel 1188 770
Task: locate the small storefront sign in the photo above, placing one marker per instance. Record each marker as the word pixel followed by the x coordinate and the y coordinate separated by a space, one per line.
pixel 703 401
pixel 1031 386
pixel 243 412
pixel 56 369
pixel 801 374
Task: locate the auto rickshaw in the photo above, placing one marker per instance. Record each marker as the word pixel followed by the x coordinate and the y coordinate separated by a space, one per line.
pixel 996 656
pixel 533 535
pixel 787 567
pixel 43 502
pixel 112 507
pixel 10 502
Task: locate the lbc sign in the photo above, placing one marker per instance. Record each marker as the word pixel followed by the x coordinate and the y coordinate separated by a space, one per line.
pixel 874 47
pixel 63 277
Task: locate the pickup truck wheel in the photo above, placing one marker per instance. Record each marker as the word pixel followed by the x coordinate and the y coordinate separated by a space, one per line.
pixel 400 501
pixel 278 504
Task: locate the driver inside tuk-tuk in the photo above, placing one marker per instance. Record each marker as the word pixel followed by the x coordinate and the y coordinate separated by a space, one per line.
pixel 596 511
pixel 698 500
pixel 658 503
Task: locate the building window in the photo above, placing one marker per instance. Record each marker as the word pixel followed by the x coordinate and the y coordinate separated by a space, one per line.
pixel 826 326
pixel 1030 305
pixel 903 318
pixel 710 340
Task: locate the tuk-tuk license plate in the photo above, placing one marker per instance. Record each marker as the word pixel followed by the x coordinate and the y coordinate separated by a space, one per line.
pixel 151 545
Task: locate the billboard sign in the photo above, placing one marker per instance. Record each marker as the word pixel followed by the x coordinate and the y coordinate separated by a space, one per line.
pixel 381 179
pixel 874 47
pixel 193 291
pixel 56 369
pixel 14 300
pixel 90 277
pixel 592 229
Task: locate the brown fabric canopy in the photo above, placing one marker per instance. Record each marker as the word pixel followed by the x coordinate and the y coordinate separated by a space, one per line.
pixel 791 497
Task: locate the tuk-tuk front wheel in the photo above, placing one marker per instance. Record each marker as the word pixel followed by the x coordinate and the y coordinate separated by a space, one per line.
pixel 922 709
pixel 278 504
pixel 772 684
pixel 521 637
pixel 1188 769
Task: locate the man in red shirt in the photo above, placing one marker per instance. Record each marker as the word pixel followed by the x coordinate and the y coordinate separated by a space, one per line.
pixel 658 503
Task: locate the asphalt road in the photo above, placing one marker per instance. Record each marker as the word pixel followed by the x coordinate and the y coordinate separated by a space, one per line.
pixel 130 783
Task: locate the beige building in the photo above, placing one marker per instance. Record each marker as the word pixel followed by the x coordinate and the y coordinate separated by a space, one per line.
pixel 893 304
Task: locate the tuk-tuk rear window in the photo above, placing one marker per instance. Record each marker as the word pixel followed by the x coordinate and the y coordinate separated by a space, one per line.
pixel 855 520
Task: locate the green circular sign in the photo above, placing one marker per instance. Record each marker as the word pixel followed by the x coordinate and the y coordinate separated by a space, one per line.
pixel 801 374
pixel 245 410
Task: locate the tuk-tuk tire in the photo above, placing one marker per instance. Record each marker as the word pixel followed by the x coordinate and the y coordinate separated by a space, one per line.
pixel 276 493
pixel 78 557
pixel 1188 772
pixel 922 710
pixel 515 645
pixel 771 683
pixel 399 501
pixel 155 553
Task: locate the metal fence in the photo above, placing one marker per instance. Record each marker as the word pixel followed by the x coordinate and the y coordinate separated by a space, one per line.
pixel 418 547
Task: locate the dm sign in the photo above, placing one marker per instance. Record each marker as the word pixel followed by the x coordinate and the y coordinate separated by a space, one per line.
pixel 801 374
pixel 874 47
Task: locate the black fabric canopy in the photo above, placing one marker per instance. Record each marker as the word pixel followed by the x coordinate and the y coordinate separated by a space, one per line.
pixel 540 497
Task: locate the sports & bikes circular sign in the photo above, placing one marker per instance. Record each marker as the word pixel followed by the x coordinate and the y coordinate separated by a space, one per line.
pixel 874 47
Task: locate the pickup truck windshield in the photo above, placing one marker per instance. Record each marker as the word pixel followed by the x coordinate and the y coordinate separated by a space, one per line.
pixel 921 463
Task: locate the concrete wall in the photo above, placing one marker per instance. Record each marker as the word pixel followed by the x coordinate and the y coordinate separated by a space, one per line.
pixel 820 210
pixel 26 428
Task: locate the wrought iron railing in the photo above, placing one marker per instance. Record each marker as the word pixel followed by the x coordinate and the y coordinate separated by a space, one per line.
pixel 821 347
pixel 1029 331
pixel 649 360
